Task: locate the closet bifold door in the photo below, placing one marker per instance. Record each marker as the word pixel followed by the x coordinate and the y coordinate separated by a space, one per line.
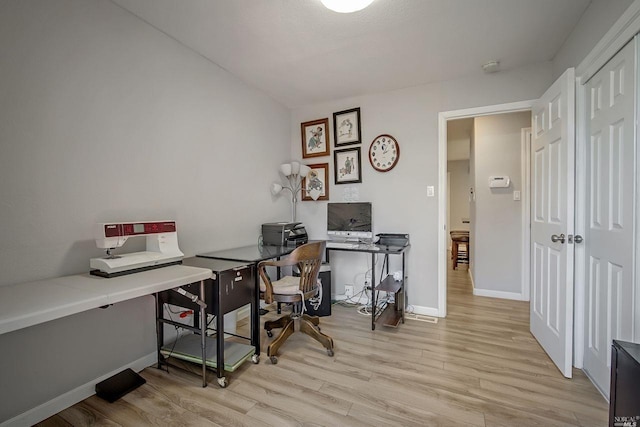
pixel 609 233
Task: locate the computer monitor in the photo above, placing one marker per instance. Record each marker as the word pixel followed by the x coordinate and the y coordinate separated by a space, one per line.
pixel 351 221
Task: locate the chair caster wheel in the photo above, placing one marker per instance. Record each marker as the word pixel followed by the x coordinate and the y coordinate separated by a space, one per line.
pixel 222 382
pixel 274 360
pixel 270 334
pixel 255 359
pixel 330 353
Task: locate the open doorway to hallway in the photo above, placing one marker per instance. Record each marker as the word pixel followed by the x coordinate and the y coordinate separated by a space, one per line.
pixel 487 209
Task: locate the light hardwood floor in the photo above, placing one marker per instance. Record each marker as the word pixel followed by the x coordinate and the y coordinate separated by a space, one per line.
pixel 480 367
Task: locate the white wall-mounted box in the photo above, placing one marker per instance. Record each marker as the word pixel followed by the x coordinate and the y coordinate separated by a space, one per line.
pixel 499 181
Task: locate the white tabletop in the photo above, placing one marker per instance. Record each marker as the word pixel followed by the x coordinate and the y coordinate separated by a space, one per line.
pixel 27 304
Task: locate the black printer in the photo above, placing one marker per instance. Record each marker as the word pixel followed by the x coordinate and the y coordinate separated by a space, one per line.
pixel 392 239
pixel 284 234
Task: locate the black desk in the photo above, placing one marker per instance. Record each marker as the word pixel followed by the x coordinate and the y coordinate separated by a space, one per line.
pixel 252 254
pixel 390 316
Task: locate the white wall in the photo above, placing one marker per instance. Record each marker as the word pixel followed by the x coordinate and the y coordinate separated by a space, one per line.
pixel 594 23
pixel 497 246
pixel 103 118
pixel 458 134
pixel 459 184
pixel 399 197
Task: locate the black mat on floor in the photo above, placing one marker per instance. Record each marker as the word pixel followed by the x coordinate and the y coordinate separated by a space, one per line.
pixel 113 388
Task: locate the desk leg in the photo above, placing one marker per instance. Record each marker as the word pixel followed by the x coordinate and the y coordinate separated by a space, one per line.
pixel 220 344
pixel 159 329
pixel 278 277
pixel 373 292
pixel 404 289
pixel 255 313
pixel 203 335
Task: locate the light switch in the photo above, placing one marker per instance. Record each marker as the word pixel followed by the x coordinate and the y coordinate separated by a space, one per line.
pixel 431 191
pixel 516 195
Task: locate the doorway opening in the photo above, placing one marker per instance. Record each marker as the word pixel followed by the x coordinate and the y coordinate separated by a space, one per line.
pixel 496 200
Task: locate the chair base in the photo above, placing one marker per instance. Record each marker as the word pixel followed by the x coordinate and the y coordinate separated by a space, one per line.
pixel 307 324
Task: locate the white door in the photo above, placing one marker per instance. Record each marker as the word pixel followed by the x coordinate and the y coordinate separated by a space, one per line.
pixel 609 234
pixel 552 220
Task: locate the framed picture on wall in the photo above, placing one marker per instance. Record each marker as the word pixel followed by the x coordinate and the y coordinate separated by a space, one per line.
pixel 315 138
pixel 346 127
pixel 315 186
pixel 346 166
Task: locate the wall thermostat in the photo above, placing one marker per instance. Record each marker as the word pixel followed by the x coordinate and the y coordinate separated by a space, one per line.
pixel 499 181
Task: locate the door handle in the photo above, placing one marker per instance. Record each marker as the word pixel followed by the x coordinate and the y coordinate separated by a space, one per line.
pixel 578 238
pixel 555 238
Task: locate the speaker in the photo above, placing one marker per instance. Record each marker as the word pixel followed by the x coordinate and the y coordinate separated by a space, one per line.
pixel 325 306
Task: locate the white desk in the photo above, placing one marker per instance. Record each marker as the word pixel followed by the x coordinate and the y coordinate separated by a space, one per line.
pixel 27 304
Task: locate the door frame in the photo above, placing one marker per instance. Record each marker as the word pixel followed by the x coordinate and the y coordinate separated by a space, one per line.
pixel 526 211
pixel 625 29
pixel 443 117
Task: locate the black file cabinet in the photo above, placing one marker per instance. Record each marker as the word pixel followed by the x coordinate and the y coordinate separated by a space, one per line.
pixel 231 287
pixel 624 399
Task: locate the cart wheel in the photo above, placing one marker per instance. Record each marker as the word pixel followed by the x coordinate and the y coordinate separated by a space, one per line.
pixel 330 352
pixel 222 382
pixel 255 359
pixel 274 360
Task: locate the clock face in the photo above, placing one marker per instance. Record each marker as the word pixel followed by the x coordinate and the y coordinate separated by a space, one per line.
pixel 384 153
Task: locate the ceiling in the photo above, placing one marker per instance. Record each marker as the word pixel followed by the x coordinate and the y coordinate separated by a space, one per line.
pixel 301 53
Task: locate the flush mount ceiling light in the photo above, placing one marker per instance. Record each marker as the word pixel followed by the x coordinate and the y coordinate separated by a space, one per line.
pixel 346 6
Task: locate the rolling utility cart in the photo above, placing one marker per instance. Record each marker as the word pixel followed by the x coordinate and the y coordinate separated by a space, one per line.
pixel 232 286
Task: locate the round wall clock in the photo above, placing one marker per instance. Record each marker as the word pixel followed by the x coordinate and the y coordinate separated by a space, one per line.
pixel 384 153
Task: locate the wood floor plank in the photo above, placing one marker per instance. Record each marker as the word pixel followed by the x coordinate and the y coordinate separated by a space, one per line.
pixel 407 405
pixel 478 367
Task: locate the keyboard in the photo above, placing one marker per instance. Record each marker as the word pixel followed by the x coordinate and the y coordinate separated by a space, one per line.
pixel 342 245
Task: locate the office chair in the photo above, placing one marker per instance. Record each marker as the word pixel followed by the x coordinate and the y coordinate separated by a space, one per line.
pixel 294 290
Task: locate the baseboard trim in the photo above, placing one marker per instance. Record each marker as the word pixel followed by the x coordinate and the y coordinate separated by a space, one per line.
pixel 498 294
pixel 70 398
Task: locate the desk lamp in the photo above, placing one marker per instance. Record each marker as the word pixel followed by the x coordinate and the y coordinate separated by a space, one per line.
pixel 294 172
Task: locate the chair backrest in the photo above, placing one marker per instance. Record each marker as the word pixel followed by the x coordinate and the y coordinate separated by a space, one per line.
pixel 308 258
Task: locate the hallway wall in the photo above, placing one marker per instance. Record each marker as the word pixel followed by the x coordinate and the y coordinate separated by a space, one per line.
pixel 497 247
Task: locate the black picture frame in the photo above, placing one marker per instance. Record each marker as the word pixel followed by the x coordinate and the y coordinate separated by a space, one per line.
pixel 346 127
pixel 347 166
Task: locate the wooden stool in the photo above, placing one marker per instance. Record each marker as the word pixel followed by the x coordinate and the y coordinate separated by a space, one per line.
pixel 462 256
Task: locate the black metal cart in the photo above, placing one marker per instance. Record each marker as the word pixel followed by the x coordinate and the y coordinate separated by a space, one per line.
pixel 231 287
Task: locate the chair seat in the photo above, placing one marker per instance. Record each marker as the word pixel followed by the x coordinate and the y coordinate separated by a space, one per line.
pixel 288 285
